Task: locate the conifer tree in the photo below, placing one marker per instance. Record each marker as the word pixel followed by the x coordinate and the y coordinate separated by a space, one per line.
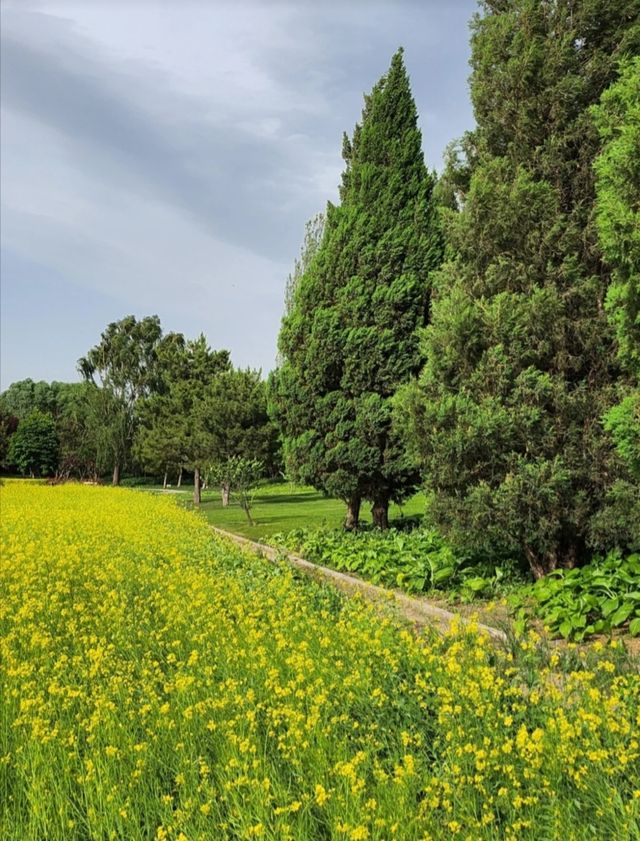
pixel 521 362
pixel 617 118
pixel 350 337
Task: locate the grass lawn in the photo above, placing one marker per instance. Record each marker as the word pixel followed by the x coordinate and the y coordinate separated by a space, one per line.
pixel 282 506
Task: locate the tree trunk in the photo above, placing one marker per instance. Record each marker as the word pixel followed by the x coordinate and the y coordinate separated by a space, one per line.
pixel 164 483
pixel 225 494
pixel 353 513
pixel 116 474
pixel 380 512
pixel 247 510
pixel 539 566
pixel 197 489
pixel 180 476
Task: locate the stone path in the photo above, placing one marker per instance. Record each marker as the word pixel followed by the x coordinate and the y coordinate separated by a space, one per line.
pixel 417 611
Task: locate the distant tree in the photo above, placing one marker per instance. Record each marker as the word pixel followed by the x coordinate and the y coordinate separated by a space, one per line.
pixel 79 424
pixel 236 406
pixel 123 363
pixel 8 425
pixel 33 447
pixel 350 337
pixel 176 419
pixel 160 443
pixel 26 396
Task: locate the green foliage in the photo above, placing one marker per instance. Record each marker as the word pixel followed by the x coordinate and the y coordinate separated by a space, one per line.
pixel 124 365
pixel 350 336
pixel 521 363
pixel 239 477
pixel 236 406
pixel 33 448
pixel 8 425
pixel 623 422
pixel 416 561
pixel 594 599
pixel 26 396
pixel 617 118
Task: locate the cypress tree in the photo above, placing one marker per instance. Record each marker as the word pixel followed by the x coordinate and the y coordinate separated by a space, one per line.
pixel 521 362
pixel 351 335
pixel 617 118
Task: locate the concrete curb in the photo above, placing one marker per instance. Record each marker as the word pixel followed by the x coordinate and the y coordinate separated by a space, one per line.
pixel 417 611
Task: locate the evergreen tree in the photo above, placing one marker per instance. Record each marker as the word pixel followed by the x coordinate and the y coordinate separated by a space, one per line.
pixel 176 419
pixel 314 230
pixel 236 408
pixel 351 335
pixel 617 118
pixel 520 357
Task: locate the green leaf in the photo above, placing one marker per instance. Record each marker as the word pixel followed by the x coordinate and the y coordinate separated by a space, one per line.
pixel 621 615
pixel 565 628
pixel 609 606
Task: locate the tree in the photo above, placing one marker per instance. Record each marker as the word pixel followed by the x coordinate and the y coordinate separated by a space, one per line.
pixel 237 417
pixel 314 231
pixel 176 419
pixel 26 396
pixel 351 335
pixel 520 358
pixel 617 118
pixel 80 428
pixel 124 363
pixel 240 476
pixel 33 447
pixel 8 425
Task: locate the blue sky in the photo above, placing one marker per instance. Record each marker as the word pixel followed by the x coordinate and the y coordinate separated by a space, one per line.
pixel 162 157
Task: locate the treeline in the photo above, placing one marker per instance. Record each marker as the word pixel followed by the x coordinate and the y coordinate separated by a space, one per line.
pixel 479 335
pixel 149 402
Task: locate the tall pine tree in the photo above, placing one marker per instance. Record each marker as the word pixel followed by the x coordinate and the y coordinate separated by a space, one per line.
pixel 521 361
pixel 350 337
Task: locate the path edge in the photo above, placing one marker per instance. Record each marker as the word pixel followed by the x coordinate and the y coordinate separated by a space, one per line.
pixel 417 611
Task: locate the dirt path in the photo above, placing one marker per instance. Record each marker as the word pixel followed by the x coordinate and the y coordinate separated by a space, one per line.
pixel 418 612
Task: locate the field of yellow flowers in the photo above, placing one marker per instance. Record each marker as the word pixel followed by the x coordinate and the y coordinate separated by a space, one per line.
pixel 157 683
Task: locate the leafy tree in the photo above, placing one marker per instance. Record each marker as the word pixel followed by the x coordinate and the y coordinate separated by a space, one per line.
pixel 240 476
pixel 351 335
pixel 79 425
pixel 520 358
pixel 26 396
pixel 33 448
pixel 124 364
pixel 8 425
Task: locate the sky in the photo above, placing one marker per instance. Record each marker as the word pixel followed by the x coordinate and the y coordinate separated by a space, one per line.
pixel 162 158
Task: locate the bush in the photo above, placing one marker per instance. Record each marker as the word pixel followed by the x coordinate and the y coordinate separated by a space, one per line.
pixel 593 599
pixel 416 561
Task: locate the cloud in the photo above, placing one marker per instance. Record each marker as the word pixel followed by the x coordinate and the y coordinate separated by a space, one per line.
pixel 164 157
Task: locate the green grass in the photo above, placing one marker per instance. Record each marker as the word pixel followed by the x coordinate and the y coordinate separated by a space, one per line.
pixel 280 507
